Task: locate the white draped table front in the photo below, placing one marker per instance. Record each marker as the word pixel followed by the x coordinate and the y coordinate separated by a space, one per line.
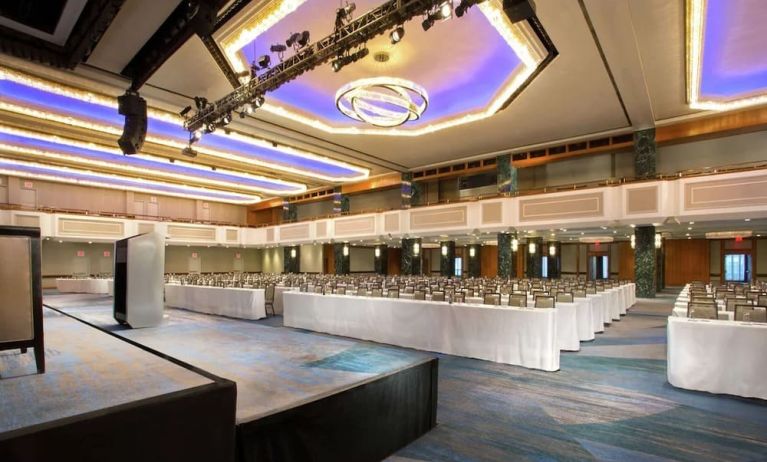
pixel 520 336
pixel 85 285
pixel 718 356
pixel 223 301
pixel 278 291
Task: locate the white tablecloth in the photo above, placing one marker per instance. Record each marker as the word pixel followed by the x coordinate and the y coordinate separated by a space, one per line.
pixel 598 311
pixel 224 301
pixel 85 286
pixel 278 291
pixel 521 336
pixel 718 356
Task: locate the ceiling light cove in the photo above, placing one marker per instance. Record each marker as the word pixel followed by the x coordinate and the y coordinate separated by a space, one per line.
pixel 726 62
pixel 471 67
pixel 51 102
pixel 38 146
pixel 58 174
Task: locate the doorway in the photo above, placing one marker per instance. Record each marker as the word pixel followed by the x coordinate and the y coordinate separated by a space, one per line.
pixel 599 267
pixel 737 267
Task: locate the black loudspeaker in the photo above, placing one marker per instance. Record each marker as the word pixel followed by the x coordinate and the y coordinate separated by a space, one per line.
pixel 133 107
pixel 519 10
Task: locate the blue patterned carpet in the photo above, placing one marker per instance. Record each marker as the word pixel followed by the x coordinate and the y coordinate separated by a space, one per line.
pixel 609 402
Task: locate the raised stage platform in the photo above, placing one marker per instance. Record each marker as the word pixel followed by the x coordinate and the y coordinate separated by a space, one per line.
pixel 300 395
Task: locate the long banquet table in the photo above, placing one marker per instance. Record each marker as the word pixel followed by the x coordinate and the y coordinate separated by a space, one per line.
pixel 233 302
pixel 520 336
pixel 85 285
pixel 718 356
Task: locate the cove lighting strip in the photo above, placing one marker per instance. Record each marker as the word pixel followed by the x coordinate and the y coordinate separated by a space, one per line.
pixel 695 30
pixel 54 148
pixel 514 35
pixel 347 171
pixel 57 174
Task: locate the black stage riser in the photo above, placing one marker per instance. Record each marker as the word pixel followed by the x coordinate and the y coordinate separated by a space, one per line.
pixel 365 423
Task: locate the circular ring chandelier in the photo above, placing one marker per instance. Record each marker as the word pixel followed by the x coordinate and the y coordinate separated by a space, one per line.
pixel 382 101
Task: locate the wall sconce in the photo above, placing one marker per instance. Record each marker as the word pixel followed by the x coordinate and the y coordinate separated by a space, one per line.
pixel 531 248
pixel 293 253
pixel 514 244
pixel 416 248
pixel 633 241
pixel 346 251
pixel 552 250
pixel 658 241
pixel 444 251
pixel 472 251
pixel 378 252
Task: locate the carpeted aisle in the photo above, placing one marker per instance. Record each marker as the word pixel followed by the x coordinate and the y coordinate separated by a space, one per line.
pixel 609 402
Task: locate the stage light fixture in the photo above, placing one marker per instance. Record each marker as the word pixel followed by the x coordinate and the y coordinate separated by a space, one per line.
pixel 210 127
pixel 189 152
pixel 200 102
pixel 195 136
pixel 278 48
pixel 445 10
pixel 397 34
pixel 185 111
pixel 292 39
pixel 264 61
pixel 227 119
pixel 344 14
pixel 304 39
pixel 427 23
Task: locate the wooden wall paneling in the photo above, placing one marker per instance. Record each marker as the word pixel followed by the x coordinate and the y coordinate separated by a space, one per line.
pixel 489 256
pixel 626 261
pixel 686 260
pixel 328 259
pixel 394 257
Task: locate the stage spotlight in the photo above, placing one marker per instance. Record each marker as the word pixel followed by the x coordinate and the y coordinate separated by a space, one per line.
pixel 189 152
pixel 344 14
pixel 210 127
pixel 227 119
pixel 292 39
pixel 185 111
pixel 427 23
pixel 264 61
pixel 445 10
pixel 258 102
pixel 337 64
pixel 195 136
pixel 200 102
pixel 304 39
pixel 278 48
pixel 397 34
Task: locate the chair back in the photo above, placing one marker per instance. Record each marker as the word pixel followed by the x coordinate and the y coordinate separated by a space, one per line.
pixel 702 311
pixel 458 297
pixel 544 301
pixel 591 290
pixel 732 301
pixel 376 292
pixel 579 293
pixel 340 290
pixel 519 300
pixel 492 299
pixel 565 297
pixel 392 293
pixel 269 294
pixel 438 296
pixel 750 313
pixel 419 295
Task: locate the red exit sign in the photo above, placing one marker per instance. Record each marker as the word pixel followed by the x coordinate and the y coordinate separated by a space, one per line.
pixel 81 253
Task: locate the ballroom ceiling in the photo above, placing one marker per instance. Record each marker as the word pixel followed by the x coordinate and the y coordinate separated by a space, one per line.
pixel 621 66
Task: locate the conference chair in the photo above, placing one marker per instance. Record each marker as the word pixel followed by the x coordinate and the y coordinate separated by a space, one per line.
pixel 437 296
pixel 732 301
pixel 750 313
pixel 565 297
pixel 762 300
pixel 702 311
pixel 492 299
pixel 319 290
pixel 544 301
pixel 269 298
pixel 458 297
pixel 376 292
pixel 579 293
pixel 591 290
pixel 392 293
pixel 518 300
pixel 340 290
pixel 419 295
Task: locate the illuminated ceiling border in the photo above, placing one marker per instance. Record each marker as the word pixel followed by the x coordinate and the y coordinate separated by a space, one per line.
pixel 515 36
pixel 82 95
pixel 695 18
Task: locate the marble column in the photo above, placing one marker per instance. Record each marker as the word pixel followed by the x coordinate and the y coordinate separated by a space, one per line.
pixel 507 176
pixel 534 260
pixel 447 258
pixel 645 262
pixel 291 259
pixel 409 191
pixel 555 261
pixel 341 257
pixel 474 264
pixel 411 259
pixel 289 212
pixel 506 258
pixel 381 255
pixel 645 153
pixel 340 202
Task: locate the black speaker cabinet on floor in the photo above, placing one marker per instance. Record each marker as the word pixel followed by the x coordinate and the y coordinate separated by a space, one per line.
pixel 21 303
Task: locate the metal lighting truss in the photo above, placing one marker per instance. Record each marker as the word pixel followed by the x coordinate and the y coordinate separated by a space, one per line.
pixel 342 40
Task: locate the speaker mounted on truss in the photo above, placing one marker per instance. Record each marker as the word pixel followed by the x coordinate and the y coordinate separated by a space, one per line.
pixel 133 107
